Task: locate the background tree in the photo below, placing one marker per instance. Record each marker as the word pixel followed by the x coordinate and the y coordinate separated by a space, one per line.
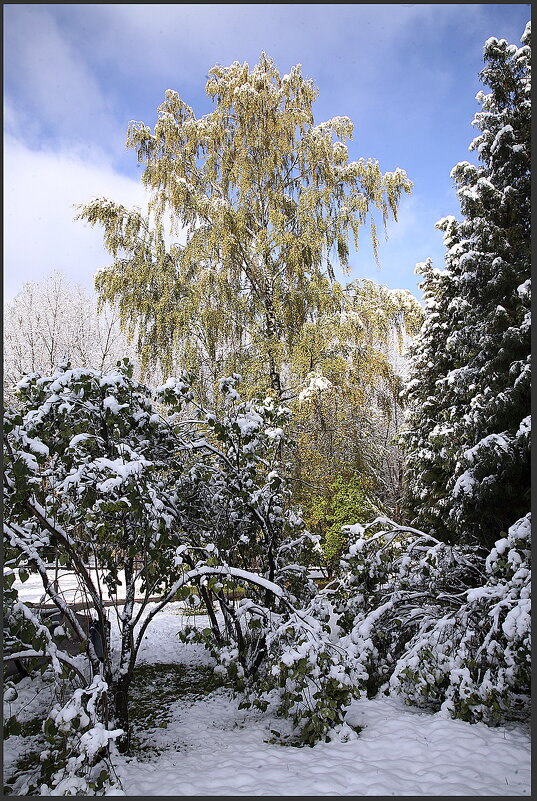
pixel 469 438
pixel 266 203
pixel 348 410
pixel 54 321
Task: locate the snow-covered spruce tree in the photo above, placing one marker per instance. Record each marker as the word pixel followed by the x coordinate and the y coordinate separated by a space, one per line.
pixel 468 441
pixel 441 613
pixel 428 438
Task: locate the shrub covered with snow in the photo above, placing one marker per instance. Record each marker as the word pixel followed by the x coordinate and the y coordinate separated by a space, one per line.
pixel 76 759
pixel 163 496
pixel 308 678
pixel 477 659
pixel 446 626
pixel 301 673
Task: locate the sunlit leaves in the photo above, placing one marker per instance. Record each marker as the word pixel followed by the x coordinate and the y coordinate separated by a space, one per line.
pixel 264 198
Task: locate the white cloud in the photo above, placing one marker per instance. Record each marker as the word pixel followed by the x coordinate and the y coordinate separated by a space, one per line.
pixel 75 74
pixel 53 92
pixel 187 39
pixel 40 235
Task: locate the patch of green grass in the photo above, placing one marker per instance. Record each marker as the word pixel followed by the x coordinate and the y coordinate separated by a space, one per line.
pixel 193 612
pixel 231 593
pixel 30 761
pixel 155 688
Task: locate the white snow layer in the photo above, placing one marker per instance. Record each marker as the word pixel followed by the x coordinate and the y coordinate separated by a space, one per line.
pixel 211 748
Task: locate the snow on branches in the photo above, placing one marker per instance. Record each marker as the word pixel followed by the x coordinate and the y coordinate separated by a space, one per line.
pixel 467 434
pixel 447 626
pixel 155 493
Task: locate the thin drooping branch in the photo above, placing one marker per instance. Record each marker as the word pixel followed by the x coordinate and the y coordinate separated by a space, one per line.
pixel 199 572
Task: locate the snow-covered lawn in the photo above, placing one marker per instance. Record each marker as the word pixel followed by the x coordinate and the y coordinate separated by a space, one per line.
pixel 209 747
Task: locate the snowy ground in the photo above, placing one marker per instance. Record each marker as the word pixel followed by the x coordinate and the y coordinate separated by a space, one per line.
pixel 210 747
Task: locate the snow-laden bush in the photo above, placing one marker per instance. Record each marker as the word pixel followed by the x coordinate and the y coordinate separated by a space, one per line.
pixel 302 675
pixel 307 677
pixel 234 501
pixel 76 759
pixel 477 659
pixel 165 497
pixel 445 626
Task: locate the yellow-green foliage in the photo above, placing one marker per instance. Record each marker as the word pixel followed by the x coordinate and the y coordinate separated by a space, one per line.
pixel 345 414
pixel 264 200
pixel 348 499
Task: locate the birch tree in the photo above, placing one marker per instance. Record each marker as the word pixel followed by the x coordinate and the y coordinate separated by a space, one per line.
pixel 267 203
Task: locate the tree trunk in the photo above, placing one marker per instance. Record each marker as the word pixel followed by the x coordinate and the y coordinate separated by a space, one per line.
pixel 271 335
pixel 121 709
pixel 211 613
pixel 127 659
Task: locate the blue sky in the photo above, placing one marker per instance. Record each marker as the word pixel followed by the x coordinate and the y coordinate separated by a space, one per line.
pixel 75 75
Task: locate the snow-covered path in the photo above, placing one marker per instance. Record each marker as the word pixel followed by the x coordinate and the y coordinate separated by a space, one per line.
pixel 212 748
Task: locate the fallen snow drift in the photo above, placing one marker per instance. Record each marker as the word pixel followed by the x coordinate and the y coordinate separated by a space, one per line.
pixel 212 749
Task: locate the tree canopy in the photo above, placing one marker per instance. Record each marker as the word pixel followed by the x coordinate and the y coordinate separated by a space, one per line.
pixel 469 427
pixel 265 201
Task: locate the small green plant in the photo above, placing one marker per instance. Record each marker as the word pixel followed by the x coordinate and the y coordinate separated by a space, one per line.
pixel 348 498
